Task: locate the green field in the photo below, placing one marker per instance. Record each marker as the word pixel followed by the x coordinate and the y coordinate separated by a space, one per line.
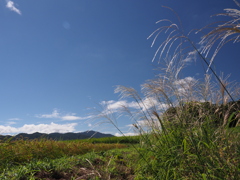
pixel 102 158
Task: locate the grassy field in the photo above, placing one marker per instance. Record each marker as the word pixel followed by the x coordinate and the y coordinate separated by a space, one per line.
pixel 203 153
pixel 103 158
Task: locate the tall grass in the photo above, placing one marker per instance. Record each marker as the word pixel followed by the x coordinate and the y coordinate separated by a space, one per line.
pixel 184 122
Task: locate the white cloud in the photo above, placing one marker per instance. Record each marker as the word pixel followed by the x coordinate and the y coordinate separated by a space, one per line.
pixel 42 128
pixel 11 123
pixel 14 119
pixel 65 117
pixel 10 5
pixel 55 114
pixel 115 106
pixel 185 81
pixel 150 102
pixel 146 104
pixel 186 86
pixel 126 134
pixel 192 56
pixel 71 118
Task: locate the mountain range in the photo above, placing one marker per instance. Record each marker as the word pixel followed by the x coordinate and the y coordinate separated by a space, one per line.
pixel 58 136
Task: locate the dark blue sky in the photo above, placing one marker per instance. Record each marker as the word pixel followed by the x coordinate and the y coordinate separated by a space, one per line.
pixel 59 58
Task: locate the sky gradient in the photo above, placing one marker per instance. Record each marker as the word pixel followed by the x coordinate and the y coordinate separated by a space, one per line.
pixel 60 59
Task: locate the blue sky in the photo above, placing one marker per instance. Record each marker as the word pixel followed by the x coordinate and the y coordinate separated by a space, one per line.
pixel 60 59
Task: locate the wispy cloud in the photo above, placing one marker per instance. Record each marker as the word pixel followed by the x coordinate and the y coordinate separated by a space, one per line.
pixel 73 117
pixel 11 123
pixel 54 114
pixel 65 117
pixel 192 56
pixel 10 5
pixel 127 134
pixel 14 119
pixel 42 128
pixel 115 106
pixel 145 105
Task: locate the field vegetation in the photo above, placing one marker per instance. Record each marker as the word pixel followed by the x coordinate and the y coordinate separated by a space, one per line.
pixel 104 158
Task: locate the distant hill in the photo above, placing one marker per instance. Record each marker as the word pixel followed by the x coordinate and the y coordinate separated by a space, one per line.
pixel 58 136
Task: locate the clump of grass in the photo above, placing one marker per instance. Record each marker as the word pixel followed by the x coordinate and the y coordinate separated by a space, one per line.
pixel 184 122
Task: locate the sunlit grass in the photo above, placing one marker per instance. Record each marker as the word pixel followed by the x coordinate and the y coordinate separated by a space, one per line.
pixel 22 151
